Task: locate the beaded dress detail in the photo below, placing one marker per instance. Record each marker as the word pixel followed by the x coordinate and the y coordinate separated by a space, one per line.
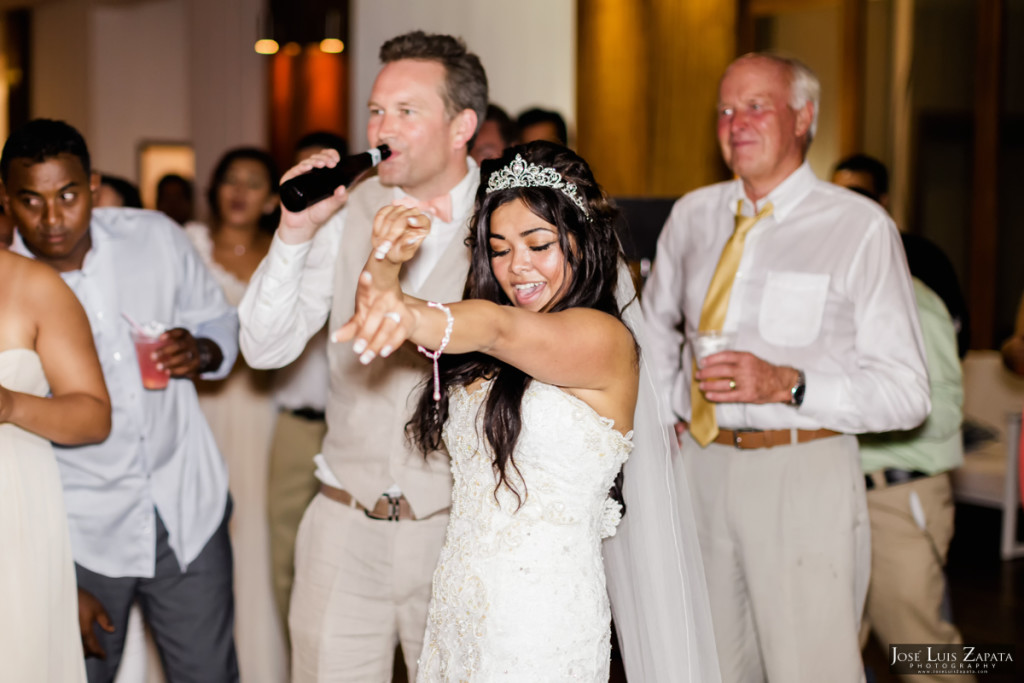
pixel 519 594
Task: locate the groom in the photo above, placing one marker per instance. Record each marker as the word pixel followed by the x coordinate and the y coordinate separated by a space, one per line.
pixel 368 543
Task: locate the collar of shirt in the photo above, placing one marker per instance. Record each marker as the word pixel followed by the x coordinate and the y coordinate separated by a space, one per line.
pixel 786 195
pixel 442 232
pixel 446 207
pixel 18 247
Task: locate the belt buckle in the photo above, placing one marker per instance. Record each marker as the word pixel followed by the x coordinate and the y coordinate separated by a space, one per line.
pixel 737 439
pixel 394 507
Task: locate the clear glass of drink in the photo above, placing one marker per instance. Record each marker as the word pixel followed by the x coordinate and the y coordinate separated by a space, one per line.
pixel 147 340
pixel 708 342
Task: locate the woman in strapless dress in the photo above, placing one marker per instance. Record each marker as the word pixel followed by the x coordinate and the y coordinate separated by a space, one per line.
pixel 51 389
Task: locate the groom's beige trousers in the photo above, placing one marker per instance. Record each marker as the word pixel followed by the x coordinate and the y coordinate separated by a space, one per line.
pixel 785 539
pixel 361 586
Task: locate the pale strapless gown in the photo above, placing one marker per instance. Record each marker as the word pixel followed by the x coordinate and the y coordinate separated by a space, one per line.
pixel 519 595
pixel 39 637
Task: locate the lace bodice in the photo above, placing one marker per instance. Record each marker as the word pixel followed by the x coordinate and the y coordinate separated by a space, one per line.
pixel 519 594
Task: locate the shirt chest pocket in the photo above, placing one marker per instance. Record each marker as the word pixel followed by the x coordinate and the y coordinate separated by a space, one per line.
pixel 793 307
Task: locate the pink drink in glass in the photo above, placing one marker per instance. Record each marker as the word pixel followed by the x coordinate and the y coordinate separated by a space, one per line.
pixel 146 343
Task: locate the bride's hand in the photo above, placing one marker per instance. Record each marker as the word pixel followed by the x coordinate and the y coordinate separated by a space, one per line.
pixel 398 232
pixel 381 323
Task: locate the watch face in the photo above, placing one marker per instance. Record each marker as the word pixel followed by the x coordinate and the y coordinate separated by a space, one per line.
pixel 797 392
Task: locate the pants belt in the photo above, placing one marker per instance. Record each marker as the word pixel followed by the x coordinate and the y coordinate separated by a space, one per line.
pixel 891 477
pixel 768 438
pixel 311 414
pixel 387 508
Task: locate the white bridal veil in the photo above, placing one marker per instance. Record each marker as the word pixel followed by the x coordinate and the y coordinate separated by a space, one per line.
pixel 653 564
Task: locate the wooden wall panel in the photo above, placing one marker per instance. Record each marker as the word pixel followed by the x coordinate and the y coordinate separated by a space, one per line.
pixel 984 195
pixel 647 92
pixel 612 100
pixel 851 98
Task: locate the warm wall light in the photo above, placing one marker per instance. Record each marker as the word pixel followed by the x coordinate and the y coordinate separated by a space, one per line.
pixel 331 43
pixel 266 46
pixel 331 46
pixel 265 43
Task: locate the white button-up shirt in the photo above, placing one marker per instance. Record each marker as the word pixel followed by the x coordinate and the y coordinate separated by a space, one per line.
pixel 160 451
pixel 822 286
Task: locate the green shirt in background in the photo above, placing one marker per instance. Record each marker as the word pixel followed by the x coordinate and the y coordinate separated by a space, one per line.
pixel 936 445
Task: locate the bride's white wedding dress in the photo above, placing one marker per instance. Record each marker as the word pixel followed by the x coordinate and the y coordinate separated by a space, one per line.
pixel 519 594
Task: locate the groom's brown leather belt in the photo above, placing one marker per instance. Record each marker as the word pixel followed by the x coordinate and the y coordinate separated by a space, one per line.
pixel 387 508
pixel 767 438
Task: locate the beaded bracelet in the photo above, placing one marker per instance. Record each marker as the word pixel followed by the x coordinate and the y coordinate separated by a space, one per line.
pixel 436 355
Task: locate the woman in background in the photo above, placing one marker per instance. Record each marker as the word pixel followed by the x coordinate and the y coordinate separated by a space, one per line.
pixel 243 213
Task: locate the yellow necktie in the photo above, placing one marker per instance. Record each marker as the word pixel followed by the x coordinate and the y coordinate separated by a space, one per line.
pixel 712 317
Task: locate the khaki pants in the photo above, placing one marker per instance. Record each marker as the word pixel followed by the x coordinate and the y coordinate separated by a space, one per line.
pixel 291 484
pixel 785 540
pixel 904 603
pixel 361 586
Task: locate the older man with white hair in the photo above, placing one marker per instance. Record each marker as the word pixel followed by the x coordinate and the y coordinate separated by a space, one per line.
pixel 805 287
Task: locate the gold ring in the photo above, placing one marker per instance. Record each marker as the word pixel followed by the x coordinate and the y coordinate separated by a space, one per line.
pixel 732 385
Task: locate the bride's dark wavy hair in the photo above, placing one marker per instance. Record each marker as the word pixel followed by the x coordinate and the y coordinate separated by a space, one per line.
pixel 591 250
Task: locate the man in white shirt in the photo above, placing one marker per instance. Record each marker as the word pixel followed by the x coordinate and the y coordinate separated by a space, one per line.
pixel 825 344
pixel 368 543
pixel 148 507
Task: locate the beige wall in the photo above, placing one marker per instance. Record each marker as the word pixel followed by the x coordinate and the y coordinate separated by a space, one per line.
pixel 140 90
pixel 167 70
pixel 814 36
pixel 61 78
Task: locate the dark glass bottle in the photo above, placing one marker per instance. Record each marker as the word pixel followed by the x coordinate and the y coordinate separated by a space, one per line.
pixel 320 183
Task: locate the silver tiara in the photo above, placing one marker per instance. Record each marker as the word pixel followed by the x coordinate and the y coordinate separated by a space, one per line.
pixel 521 174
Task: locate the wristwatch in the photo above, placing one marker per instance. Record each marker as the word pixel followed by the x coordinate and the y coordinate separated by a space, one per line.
pixel 796 394
pixel 205 356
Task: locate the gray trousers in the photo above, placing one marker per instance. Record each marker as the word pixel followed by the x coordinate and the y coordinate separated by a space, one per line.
pixel 191 614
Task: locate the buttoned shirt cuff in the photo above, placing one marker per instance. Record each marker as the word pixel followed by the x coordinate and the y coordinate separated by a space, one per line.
pixel 822 396
pixel 224 333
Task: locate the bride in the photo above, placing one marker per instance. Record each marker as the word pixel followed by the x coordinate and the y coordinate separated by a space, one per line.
pixel 536 404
